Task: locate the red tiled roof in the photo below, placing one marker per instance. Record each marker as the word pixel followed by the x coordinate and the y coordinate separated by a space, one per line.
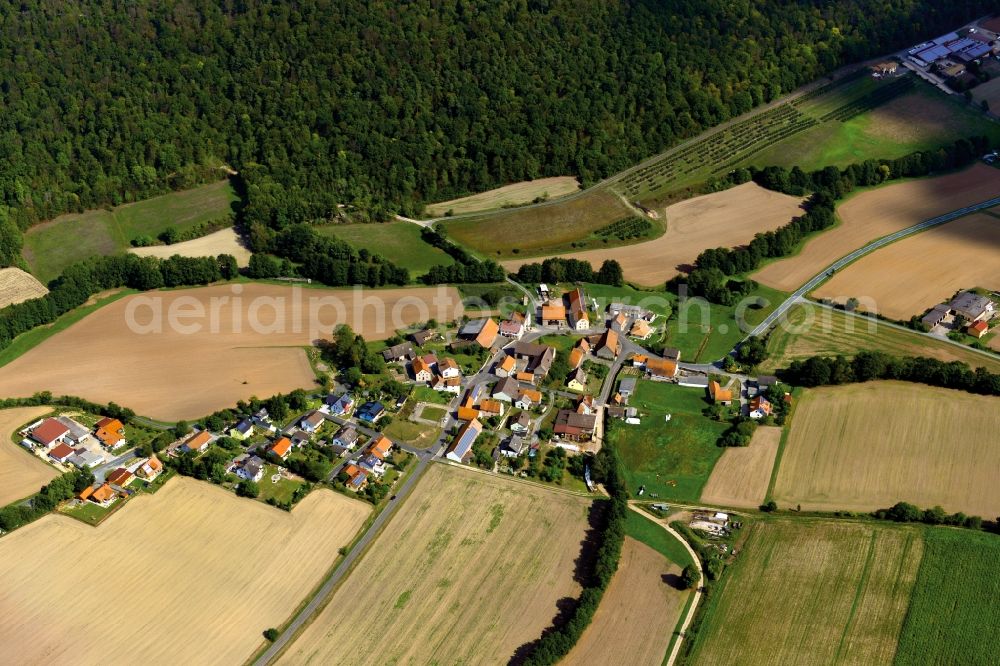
pixel 49 431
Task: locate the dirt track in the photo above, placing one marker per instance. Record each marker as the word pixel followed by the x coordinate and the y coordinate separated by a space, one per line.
pixel 21 473
pixel 224 241
pixel 880 212
pixel 637 613
pixel 911 276
pixel 722 219
pixel 191 575
pixel 206 363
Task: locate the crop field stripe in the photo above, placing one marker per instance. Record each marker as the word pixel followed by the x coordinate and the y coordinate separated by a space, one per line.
pixel 862 584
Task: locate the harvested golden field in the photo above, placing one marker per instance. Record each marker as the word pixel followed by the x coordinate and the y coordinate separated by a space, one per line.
pixel 16 286
pixel 469 570
pixel 721 219
pixel 183 354
pixel 224 241
pixel 812 330
pixel 742 475
pixel 879 212
pixel 812 592
pixel 538 230
pixel 192 574
pixel 911 276
pixel 861 447
pixel 508 195
pixel 637 614
pixel 21 473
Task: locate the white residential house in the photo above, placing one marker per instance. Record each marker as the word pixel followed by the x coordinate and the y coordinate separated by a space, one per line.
pixel 448 368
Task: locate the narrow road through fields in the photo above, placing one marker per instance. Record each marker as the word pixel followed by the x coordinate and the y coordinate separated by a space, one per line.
pixel 686 621
pixel 799 293
pixel 326 591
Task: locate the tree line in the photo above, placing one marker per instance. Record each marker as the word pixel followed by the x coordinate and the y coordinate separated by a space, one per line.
pixel 606 468
pixel 869 365
pixel 83 279
pixel 557 269
pixel 387 106
pixel 466 269
pixel 710 278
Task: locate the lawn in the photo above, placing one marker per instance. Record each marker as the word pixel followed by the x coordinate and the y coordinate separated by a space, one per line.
pixel 426 394
pixel 414 434
pixel 52 246
pixel 90 513
pixel 706 332
pixel 812 592
pixel 659 302
pixel 953 613
pixel 653 535
pixel 433 413
pixel 812 330
pixel 399 242
pixel 281 491
pixel 673 459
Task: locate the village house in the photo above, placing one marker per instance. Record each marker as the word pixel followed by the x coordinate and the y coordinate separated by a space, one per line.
pixel 483 332
pixel 661 370
pixel 263 421
pixel 577 312
pixel 977 329
pixel 577 380
pixel 718 394
pixel 631 311
pixel 448 368
pixel 639 361
pixel 339 406
pixel 121 477
pixel 461 447
pixel 371 412
pixel 505 367
pixel 110 433
pixel 573 426
pixel 197 442
pixel 553 314
pixel 357 478
pixel 281 448
pixel 626 387
pixel 618 323
pixel 536 359
pixel 521 424
pixel 506 390
pixel 249 468
pixel 422 372
pixel 513 446
pixel 585 405
pixel 760 407
pixel 241 430
pixel 510 328
pixel 640 329
pixel 381 446
pixel 490 408
pixel 312 421
pixel 347 437
pixel 150 469
pixel 447 385
pixel 609 346
pixel 672 354
pixel 49 433
pixel 528 398
pixel 935 316
pixel 398 353
pixel 421 337
pixel 104 496
pixel 84 459
pixel 298 436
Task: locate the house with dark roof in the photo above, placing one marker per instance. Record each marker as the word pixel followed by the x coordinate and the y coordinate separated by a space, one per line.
pixel 347 437
pixel 506 389
pixel 626 387
pixel 609 346
pixel 420 337
pixel 972 306
pixel 521 424
pixel 573 426
pixel 312 421
pixel 241 430
pixel 398 353
pixel 339 405
pixel 371 412
pixel 513 446
pixel 577 380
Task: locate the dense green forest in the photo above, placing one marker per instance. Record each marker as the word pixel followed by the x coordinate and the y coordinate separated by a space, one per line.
pixel 385 105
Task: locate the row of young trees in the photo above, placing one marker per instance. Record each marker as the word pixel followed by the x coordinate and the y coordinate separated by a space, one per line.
pixel 608 469
pixel 557 269
pixel 466 269
pixel 869 365
pixel 710 278
pixel 82 280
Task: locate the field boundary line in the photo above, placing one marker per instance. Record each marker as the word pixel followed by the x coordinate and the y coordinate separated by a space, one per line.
pixel 517 479
pixel 858 593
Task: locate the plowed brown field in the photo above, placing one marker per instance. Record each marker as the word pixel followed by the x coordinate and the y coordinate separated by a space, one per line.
pixel 722 219
pixel 880 212
pixel 21 473
pixel 229 342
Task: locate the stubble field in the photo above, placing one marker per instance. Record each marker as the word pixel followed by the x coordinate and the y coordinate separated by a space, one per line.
pixel 813 331
pixel 879 212
pixel 508 195
pixel 16 286
pixel 637 613
pixel 722 219
pixel 224 241
pixel 812 592
pixel 21 473
pixel 469 570
pixel 192 574
pixel 742 475
pixel 866 446
pixel 254 348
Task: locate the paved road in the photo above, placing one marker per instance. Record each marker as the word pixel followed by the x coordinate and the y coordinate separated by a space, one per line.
pixel 101 471
pixel 324 593
pixel 860 252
